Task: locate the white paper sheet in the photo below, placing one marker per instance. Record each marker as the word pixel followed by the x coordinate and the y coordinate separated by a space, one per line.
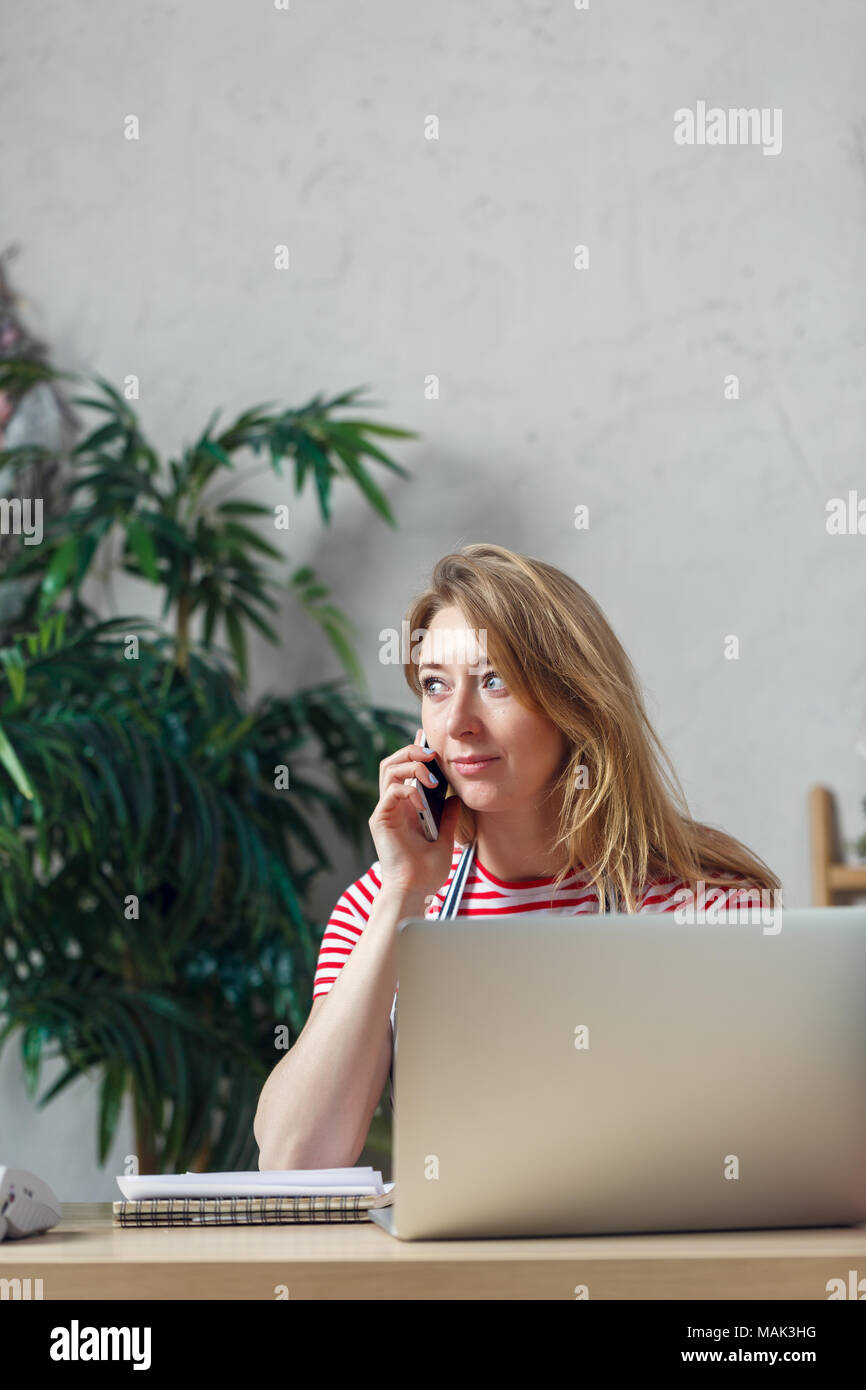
pixel 360 1182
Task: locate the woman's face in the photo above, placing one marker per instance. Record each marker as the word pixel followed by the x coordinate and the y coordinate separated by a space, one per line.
pixel 468 713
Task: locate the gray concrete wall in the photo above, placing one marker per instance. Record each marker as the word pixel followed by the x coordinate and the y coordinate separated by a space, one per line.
pixel 453 257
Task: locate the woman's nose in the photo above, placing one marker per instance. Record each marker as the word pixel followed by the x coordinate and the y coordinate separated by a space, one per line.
pixel 462 720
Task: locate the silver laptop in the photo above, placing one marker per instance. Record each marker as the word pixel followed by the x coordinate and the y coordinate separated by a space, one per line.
pixel 579 1075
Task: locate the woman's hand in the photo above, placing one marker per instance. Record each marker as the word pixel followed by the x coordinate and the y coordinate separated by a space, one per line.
pixel 409 861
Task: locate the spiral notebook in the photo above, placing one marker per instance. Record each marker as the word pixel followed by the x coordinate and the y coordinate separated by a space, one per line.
pixel 250 1199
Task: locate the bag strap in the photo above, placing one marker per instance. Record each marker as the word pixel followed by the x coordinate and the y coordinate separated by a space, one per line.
pixel 448 909
pixel 458 883
pixel 611 897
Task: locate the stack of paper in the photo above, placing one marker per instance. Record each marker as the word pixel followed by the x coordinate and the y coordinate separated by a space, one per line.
pixel 297 1182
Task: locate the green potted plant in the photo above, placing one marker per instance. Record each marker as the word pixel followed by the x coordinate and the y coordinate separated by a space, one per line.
pixel 157 827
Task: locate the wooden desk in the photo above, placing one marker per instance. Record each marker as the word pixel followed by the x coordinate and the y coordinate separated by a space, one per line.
pixel 85 1257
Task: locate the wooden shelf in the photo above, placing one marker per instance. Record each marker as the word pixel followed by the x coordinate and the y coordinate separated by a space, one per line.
pixel 830 876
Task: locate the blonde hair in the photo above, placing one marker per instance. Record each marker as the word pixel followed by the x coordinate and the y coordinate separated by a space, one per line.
pixel 628 825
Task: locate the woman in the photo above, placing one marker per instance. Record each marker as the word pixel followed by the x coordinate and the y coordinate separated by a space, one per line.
pixel 562 800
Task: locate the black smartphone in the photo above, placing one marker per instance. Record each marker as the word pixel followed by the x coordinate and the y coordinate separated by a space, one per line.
pixel 433 797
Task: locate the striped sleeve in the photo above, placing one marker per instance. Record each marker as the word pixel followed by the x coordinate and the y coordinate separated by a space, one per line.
pixel 666 895
pixel 345 924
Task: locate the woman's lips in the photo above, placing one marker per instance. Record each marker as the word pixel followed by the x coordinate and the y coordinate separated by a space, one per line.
pixel 472 765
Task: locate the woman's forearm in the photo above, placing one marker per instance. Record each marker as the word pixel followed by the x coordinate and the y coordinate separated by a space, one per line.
pixel 316 1106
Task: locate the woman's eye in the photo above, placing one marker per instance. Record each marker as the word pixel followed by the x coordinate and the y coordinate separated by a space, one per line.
pixel 430 681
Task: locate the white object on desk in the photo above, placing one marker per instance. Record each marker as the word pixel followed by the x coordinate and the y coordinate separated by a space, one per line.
pixel 27 1204
pixel 360 1182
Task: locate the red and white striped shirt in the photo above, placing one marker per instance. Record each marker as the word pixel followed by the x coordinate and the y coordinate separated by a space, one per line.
pixel 484 895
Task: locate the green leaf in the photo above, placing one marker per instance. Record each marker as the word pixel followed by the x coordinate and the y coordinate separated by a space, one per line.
pixel 31 1055
pixel 245 508
pixel 9 759
pixel 250 584
pixel 344 650
pixel 59 568
pixel 71 1074
pixel 237 642
pixel 208 429
pixel 93 402
pixel 351 438
pixel 113 394
pixel 212 611
pixel 17 372
pixel 103 435
pixel 171 532
pixel 110 1102
pixel 207 446
pixel 311 456
pixel 373 493
pixel 371 427
pixel 140 539
pixel 86 550
pixel 23 454
pixel 264 628
pixel 236 531
pixel 16 671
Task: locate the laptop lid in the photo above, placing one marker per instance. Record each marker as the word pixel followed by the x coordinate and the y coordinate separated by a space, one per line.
pixel 559 1075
